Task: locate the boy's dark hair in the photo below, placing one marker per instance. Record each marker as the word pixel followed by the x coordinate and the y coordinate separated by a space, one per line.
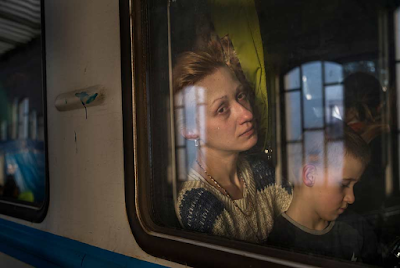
pixel 350 143
pixel 328 151
pixel 356 146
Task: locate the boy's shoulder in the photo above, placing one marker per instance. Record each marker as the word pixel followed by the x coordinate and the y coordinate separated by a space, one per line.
pixel 340 239
pixel 283 232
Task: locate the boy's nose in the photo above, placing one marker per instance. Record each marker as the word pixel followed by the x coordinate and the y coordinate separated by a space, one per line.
pixel 350 198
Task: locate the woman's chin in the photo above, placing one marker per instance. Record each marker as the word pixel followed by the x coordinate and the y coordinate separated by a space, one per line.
pixel 251 142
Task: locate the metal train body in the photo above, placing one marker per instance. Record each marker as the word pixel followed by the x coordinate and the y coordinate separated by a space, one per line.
pixel 86 170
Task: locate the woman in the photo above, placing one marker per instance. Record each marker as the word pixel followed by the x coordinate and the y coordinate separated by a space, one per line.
pixel 222 195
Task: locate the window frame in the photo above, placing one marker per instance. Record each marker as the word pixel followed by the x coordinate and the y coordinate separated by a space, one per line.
pixel 173 244
pixel 283 91
pixel 23 210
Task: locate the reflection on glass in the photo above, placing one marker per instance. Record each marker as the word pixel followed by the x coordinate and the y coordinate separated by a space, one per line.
pixel 293 115
pixel 335 155
pixel 314 90
pixel 22 152
pixel 294 161
pixel 334 104
pixel 292 79
pixel 397 32
pixel 179 139
pixel 312 95
pixel 360 66
pixel 310 139
pixel 398 90
pixel 333 72
pixel 182 166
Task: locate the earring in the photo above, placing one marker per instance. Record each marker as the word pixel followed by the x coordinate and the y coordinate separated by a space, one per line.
pixel 197 142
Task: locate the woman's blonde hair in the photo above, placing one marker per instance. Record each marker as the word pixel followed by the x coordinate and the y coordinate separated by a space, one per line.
pixel 193 66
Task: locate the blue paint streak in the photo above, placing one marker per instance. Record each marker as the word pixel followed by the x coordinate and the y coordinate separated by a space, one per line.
pixel 85 98
pixel 91 98
pixel 42 249
pixel 81 95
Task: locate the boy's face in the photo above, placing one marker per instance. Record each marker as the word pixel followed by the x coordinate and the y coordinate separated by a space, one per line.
pixel 333 188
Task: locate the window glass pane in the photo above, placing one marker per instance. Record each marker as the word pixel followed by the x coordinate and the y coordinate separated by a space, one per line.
pixel 292 79
pixel 22 148
pixel 365 66
pixel 333 72
pixel 398 90
pixel 397 32
pixel 293 116
pixel 302 108
pixel 312 95
pixel 311 139
pixel 294 161
pixel 182 166
pixel 334 106
pixel 179 114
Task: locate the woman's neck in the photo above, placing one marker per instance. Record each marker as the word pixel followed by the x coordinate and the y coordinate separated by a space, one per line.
pixel 222 166
pixel 219 164
pixel 302 212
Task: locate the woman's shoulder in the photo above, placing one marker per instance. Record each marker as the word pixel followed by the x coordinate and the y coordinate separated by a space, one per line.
pixel 198 208
pixel 263 172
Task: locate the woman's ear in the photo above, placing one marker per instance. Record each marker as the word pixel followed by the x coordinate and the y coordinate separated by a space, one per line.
pixel 309 175
pixel 189 134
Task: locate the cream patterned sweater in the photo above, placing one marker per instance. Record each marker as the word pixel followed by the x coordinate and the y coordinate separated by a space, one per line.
pixel 201 207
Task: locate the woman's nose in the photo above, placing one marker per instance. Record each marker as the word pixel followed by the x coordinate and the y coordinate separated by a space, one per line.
pixel 244 113
pixel 350 198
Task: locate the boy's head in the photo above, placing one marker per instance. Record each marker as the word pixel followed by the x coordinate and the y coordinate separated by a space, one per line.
pixel 329 171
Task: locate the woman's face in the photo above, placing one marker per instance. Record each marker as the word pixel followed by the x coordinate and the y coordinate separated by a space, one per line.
pixel 224 116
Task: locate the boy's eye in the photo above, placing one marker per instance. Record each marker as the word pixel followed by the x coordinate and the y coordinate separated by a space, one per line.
pixel 345 185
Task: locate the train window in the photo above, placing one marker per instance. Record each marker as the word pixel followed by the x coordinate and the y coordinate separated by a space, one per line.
pixel 265 129
pixel 23 168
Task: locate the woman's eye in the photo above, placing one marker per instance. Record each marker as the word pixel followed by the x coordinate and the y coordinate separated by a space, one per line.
pixel 221 110
pixel 242 96
pixel 345 185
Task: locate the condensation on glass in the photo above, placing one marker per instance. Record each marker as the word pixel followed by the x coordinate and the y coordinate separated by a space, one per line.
pixel 22 148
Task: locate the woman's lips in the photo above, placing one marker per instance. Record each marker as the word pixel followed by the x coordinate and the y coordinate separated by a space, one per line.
pixel 341 210
pixel 248 132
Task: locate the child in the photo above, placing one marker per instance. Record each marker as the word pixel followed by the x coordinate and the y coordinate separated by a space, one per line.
pixel 322 191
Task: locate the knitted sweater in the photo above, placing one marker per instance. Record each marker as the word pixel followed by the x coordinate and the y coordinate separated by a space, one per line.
pixel 201 207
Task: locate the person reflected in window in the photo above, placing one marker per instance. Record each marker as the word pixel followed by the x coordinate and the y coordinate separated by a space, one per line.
pixel 364 106
pixel 323 190
pixel 221 195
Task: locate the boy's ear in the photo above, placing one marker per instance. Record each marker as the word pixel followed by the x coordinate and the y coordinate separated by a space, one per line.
pixel 189 134
pixel 309 175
